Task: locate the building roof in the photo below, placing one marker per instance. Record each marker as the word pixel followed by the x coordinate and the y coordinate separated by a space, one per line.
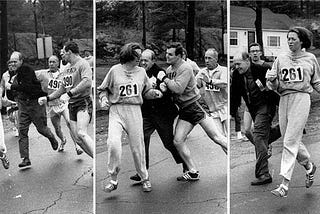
pixel 244 17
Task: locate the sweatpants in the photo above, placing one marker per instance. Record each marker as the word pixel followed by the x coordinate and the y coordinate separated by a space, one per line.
pixel 128 118
pixel 293 114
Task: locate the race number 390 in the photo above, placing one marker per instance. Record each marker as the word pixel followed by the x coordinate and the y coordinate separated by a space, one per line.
pixel 293 74
pixel 129 90
pixel 67 80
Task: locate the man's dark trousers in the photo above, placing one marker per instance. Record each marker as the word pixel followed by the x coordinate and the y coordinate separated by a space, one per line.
pixel 164 126
pixel 31 111
pixel 262 116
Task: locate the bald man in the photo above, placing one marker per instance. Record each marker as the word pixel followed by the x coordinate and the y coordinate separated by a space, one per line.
pixel 212 82
pixel 28 91
pixel 159 114
pixel 50 80
pixel 251 86
pixel 76 87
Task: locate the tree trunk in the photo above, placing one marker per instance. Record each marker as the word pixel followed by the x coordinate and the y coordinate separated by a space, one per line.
pixel 144 38
pixel 258 23
pixel 200 43
pixel 308 9
pixel 174 36
pixel 4 37
pixel 35 18
pixel 222 28
pixel 301 8
pixel 190 29
pixel 3 42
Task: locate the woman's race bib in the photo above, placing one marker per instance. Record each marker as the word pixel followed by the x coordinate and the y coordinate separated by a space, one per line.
pixel 129 90
pixel 292 74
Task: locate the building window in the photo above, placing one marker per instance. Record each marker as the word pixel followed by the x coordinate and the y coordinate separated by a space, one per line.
pixel 274 41
pixel 233 38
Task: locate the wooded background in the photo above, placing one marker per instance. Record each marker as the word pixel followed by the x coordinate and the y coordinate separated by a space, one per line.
pixel 22 21
pixel 198 25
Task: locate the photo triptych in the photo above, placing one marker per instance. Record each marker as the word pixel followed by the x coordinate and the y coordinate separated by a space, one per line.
pixel 159 107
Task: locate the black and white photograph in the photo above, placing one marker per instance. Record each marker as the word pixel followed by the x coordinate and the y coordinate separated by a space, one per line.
pixel 46 123
pixel 274 104
pixel 162 107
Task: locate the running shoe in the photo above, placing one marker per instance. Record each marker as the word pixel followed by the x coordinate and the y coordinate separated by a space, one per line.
pixel 309 179
pixel 281 191
pixel 63 143
pixel 189 176
pixel 146 186
pixel 5 161
pixel 111 186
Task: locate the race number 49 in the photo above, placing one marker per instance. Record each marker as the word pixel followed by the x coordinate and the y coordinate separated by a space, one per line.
pixel 53 84
pixel 129 90
pixel 292 74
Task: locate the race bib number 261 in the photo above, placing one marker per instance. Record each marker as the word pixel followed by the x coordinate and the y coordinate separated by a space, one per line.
pixel 129 90
pixel 292 74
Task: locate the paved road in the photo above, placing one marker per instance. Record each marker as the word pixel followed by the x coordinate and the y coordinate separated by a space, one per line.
pixel 209 195
pixel 247 199
pixel 55 183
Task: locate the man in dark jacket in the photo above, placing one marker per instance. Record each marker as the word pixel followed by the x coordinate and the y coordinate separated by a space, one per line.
pixel 251 84
pixel 28 91
pixel 158 114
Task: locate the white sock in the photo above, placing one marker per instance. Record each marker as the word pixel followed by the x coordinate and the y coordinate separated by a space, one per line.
pixel 193 171
pixel 284 186
pixel 310 169
pixel 239 135
pixel 114 182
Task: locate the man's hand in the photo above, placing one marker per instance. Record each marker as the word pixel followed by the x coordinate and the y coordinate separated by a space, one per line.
pixel 42 100
pixel 163 87
pixel 203 77
pixel 104 103
pixel 271 75
pixel 64 97
pixel 161 75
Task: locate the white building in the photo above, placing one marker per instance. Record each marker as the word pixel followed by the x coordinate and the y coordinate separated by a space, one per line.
pixel 274 31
